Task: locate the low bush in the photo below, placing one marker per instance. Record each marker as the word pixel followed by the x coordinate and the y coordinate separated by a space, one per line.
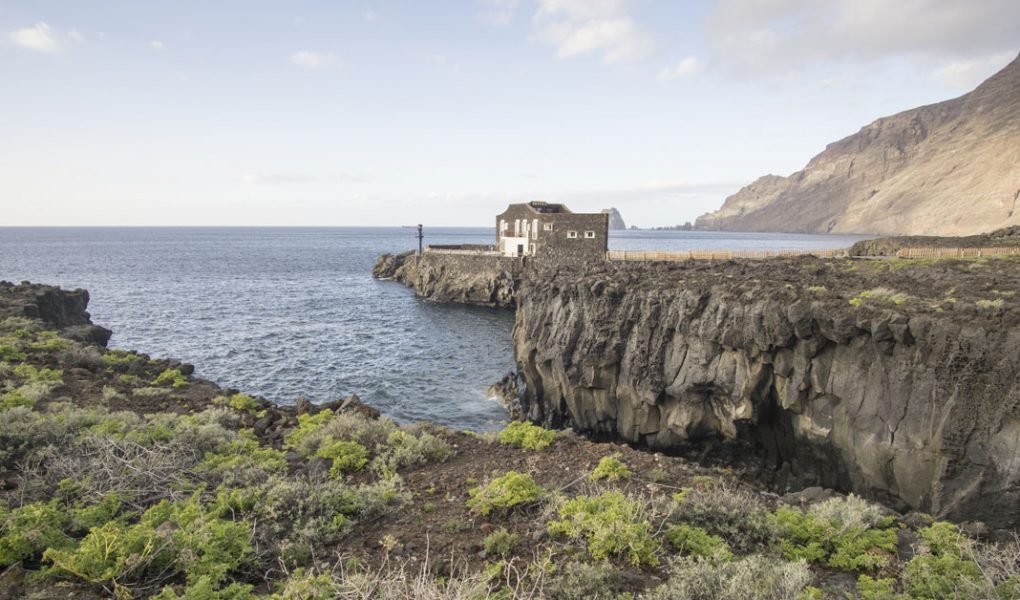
pixel 27 531
pixel 503 493
pixel 347 457
pixel 611 468
pixel 239 401
pixel 16 398
pixel 10 352
pixel 171 377
pixel 29 373
pixel 527 435
pixel 695 541
pixel 752 577
pixel 500 543
pixel 609 524
pixel 944 568
pixel 584 580
pixel 845 533
pixel 738 517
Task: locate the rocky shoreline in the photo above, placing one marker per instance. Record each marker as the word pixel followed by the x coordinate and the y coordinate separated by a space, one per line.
pixel 893 379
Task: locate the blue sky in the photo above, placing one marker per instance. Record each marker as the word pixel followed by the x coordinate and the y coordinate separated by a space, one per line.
pixel 387 113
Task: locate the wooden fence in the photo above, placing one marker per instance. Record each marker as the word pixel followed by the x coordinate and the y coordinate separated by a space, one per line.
pixel 931 252
pixel 623 255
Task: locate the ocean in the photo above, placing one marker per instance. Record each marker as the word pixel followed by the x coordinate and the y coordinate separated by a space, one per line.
pixel 291 312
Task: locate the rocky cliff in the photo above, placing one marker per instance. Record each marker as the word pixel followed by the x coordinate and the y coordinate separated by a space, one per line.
pixel 483 280
pixel 893 379
pixel 951 168
pixel 60 309
pixel 616 221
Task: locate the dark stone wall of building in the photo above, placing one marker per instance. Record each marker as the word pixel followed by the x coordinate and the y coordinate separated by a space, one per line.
pixel 557 247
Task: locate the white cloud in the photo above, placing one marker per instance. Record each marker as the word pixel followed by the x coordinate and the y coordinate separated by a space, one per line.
pixel 75 36
pixel 578 27
pixel 38 37
pixel 499 13
pixel 966 74
pixel 686 67
pixel 313 60
pixel 157 45
pixel 777 36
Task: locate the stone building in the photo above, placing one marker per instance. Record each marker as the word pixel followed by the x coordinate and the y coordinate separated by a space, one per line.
pixel 551 231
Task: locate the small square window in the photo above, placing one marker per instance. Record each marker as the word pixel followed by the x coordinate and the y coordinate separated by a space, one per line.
pixel 547 227
pixel 589 235
pixel 572 234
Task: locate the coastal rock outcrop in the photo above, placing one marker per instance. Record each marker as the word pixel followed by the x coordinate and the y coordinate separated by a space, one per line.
pixel 480 279
pixel 951 168
pixel 834 376
pixel 58 308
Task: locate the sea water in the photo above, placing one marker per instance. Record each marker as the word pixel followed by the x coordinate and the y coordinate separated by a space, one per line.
pixel 291 312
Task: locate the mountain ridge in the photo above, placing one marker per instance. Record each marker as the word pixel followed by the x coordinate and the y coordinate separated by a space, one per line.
pixel 949 168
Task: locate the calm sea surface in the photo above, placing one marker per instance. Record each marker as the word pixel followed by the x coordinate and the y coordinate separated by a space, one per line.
pixel 289 312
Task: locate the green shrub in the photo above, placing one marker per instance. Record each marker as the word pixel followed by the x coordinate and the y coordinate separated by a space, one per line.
pixel 308 426
pixel 244 453
pixel 500 543
pixel 116 357
pixel 738 517
pixel 16 398
pixel 130 379
pixel 527 435
pixel 695 541
pixel 171 377
pixel 611 468
pixel 303 585
pixel 585 581
pixel 347 456
pixel 502 493
pixel 877 589
pixel 28 372
pixel 150 392
pixel 839 532
pixel 171 537
pixel 752 577
pixel 93 515
pixel 205 588
pixel 610 525
pixel 403 449
pixel 27 531
pixel 11 352
pixel 943 571
pixel 239 401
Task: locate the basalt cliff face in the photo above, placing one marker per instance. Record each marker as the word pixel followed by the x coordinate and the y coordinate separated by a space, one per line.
pixel 951 168
pixel 63 310
pixel 818 366
pixel 463 278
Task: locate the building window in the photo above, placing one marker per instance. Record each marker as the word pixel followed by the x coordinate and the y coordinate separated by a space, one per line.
pixel 589 235
pixel 533 249
pixel 572 234
pixel 503 225
pixel 546 226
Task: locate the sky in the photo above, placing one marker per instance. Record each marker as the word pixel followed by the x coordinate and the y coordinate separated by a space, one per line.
pixel 375 113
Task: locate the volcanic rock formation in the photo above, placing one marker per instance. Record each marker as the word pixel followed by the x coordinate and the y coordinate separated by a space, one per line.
pixel 951 168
